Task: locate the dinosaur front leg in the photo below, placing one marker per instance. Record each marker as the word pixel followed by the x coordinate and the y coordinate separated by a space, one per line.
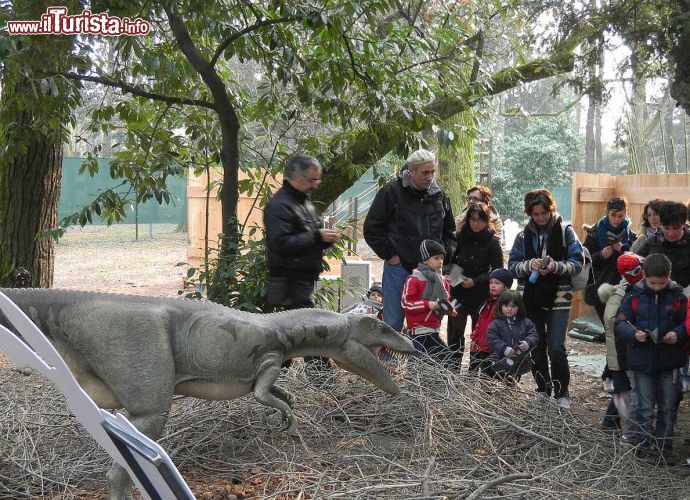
pixel 268 394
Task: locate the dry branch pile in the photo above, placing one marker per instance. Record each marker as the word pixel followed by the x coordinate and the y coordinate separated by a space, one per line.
pixel 444 436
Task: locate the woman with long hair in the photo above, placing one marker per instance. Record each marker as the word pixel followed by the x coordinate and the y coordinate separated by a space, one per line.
pixel 650 228
pixel 478 253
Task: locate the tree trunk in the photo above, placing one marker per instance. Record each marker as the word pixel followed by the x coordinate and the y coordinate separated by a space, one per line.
pixel 589 137
pixel 638 116
pixel 667 124
pixel 32 114
pixel 598 151
pixel 29 193
pixel 456 161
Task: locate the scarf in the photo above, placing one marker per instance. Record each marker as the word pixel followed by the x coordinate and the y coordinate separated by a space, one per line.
pixel 434 288
pixel 608 235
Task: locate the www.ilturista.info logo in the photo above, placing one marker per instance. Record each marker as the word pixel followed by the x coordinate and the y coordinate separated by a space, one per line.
pixel 56 22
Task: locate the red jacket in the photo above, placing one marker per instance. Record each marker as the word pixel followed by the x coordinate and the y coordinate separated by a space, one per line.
pixel 417 312
pixel 478 336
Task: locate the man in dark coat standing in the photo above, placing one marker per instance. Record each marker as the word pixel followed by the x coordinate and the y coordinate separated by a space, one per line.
pixel 295 237
pixel 407 210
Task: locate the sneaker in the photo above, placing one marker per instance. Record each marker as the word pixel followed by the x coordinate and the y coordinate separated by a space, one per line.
pixel 608 385
pixel 564 402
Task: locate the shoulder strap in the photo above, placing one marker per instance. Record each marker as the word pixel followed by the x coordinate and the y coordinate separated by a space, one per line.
pixel 635 304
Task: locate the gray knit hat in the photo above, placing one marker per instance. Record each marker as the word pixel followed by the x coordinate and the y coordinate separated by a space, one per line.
pixel 429 248
pixel 420 156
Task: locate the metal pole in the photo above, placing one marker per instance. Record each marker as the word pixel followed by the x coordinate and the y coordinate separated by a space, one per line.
pixel 355 224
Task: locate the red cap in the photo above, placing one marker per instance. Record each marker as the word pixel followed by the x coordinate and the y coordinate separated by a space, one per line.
pixel 630 267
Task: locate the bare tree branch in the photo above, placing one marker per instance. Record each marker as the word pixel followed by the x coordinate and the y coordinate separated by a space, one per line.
pixel 138 91
pixel 244 31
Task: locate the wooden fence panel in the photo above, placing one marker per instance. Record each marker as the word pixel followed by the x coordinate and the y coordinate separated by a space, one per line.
pixel 591 191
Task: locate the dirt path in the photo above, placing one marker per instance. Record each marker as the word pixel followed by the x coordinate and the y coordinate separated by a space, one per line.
pixel 98 258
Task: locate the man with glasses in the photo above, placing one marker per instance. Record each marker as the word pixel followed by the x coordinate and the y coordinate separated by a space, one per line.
pixel 407 210
pixel 295 239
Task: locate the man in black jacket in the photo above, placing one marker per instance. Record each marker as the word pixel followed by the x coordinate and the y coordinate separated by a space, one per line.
pixel 407 210
pixel 294 237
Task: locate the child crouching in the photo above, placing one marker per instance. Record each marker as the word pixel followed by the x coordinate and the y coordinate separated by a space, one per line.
pixel 511 336
pixel 426 291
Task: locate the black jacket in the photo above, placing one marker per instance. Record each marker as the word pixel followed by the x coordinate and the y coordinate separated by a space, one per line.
pixel 478 254
pixel 401 217
pixel 295 247
pixel 605 270
pixel 678 252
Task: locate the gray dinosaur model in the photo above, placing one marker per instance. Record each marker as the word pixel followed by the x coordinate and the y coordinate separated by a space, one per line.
pixel 136 352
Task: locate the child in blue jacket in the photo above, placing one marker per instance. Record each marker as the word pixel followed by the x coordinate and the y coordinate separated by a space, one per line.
pixel 651 321
pixel 511 335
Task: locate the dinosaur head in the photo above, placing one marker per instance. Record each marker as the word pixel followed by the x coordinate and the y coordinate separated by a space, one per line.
pixel 364 352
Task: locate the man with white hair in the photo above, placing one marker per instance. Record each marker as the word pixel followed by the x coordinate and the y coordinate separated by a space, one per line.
pixel 407 210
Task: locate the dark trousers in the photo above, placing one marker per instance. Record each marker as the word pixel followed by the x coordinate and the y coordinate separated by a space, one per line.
pixel 551 326
pixel 456 336
pixel 480 362
pixel 300 292
pixel 432 344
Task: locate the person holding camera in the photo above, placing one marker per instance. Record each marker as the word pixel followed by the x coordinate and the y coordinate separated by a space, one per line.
pixel 296 240
pixel 425 301
pixel 547 288
pixel 607 240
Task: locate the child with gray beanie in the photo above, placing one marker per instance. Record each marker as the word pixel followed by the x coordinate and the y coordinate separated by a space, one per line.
pixel 425 301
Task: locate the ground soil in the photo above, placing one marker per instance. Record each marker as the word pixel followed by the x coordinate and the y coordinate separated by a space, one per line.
pixel 110 260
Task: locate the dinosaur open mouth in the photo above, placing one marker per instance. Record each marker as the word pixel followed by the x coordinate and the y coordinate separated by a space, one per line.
pixel 393 361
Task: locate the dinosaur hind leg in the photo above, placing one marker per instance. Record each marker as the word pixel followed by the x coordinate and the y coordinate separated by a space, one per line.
pixel 281 393
pixel 268 394
pixel 119 483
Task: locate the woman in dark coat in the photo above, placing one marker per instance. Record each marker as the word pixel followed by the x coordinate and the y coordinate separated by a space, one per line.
pixel 478 253
pixel 607 240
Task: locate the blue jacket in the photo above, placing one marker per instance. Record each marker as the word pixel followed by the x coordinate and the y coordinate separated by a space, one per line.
pixel 502 334
pixel 645 309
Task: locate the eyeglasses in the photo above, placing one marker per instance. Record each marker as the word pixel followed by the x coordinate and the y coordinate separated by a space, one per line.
pixel 477 220
pixel 313 180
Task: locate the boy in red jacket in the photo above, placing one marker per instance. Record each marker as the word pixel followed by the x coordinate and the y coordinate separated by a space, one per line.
pixel 500 280
pixel 425 300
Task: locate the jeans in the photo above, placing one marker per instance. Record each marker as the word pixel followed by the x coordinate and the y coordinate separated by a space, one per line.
pixel 551 326
pixel 394 277
pixel 660 390
pixel 456 335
